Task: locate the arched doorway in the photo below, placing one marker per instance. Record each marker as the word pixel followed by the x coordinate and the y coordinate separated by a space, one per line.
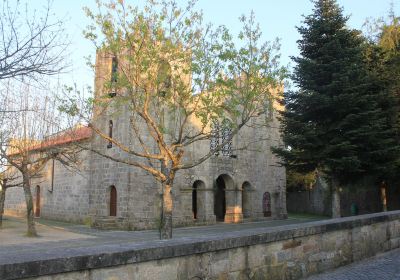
pixel 246 199
pixel 37 208
pixel 113 201
pixel 267 204
pixel 220 199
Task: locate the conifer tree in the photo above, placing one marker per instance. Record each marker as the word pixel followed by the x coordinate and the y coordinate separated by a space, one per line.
pixel 333 122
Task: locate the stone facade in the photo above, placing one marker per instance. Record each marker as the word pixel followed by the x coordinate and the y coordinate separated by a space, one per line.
pixel 251 182
pixel 65 198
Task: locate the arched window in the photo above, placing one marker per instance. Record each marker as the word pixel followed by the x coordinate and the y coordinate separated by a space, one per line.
pixel 110 133
pixel 267 204
pixel 226 134
pixel 214 135
pixel 113 201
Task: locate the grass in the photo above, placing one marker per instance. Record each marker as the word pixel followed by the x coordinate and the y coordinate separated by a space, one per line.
pixel 307 216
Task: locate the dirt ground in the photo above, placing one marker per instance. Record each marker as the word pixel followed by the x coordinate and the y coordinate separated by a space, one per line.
pixel 14 232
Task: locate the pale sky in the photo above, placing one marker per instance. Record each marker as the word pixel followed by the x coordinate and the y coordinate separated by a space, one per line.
pixel 277 18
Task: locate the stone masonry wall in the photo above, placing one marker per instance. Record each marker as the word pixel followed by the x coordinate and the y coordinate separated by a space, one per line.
pixel 68 200
pixel 286 252
pixel 139 195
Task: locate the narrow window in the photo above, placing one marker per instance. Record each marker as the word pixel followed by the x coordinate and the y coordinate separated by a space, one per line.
pixel 37 212
pixel 52 176
pixel 114 77
pixel 113 201
pixel 194 201
pixel 267 204
pixel 110 133
pixel 114 70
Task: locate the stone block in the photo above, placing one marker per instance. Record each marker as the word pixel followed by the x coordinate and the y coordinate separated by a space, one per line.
pixel 291 244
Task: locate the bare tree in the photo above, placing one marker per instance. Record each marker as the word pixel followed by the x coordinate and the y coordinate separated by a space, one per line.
pixel 32 43
pixel 7 180
pixel 177 77
pixel 30 137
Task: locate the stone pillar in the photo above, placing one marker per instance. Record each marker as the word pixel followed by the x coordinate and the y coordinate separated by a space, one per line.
pixel 208 206
pixel 233 212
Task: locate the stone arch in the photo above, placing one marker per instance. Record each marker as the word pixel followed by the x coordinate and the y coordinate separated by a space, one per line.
pixel 266 203
pixel 224 186
pixel 246 199
pixel 37 206
pixel 113 201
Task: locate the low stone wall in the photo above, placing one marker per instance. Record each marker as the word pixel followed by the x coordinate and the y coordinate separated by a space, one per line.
pixel 286 252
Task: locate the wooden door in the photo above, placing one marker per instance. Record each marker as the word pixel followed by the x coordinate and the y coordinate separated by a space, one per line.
pixel 37 208
pixel 113 201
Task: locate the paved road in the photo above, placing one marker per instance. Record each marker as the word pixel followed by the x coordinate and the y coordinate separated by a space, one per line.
pixel 89 237
pixel 384 266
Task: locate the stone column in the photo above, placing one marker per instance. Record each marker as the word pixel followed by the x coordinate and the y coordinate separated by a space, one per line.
pixel 233 212
pixel 208 205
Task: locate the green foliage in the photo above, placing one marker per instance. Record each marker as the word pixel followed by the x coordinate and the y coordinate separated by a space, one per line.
pixel 300 181
pixel 334 121
pixel 177 75
pixel 383 60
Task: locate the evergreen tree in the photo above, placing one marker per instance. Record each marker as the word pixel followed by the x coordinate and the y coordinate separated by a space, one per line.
pixel 333 121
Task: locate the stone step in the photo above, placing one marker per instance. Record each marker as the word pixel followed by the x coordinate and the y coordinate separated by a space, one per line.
pixel 106 223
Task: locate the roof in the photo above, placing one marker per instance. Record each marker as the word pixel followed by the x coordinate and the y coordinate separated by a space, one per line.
pixel 66 137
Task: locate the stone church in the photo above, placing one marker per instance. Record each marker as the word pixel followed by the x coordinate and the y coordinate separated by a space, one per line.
pixel 231 186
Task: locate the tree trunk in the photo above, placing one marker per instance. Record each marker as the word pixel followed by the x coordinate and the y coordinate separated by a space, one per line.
pixel 383 197
pixel 166 215
pixel 335 199
pixel 29 207
pixel 2 199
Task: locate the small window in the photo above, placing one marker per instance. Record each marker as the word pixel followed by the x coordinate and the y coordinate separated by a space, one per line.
pixel 114 70
pixel 110 133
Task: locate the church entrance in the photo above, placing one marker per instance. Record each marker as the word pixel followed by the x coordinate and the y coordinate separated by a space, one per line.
pixel 220 199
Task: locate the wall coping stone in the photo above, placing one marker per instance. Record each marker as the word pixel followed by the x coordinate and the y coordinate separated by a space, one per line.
pixel 61 260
